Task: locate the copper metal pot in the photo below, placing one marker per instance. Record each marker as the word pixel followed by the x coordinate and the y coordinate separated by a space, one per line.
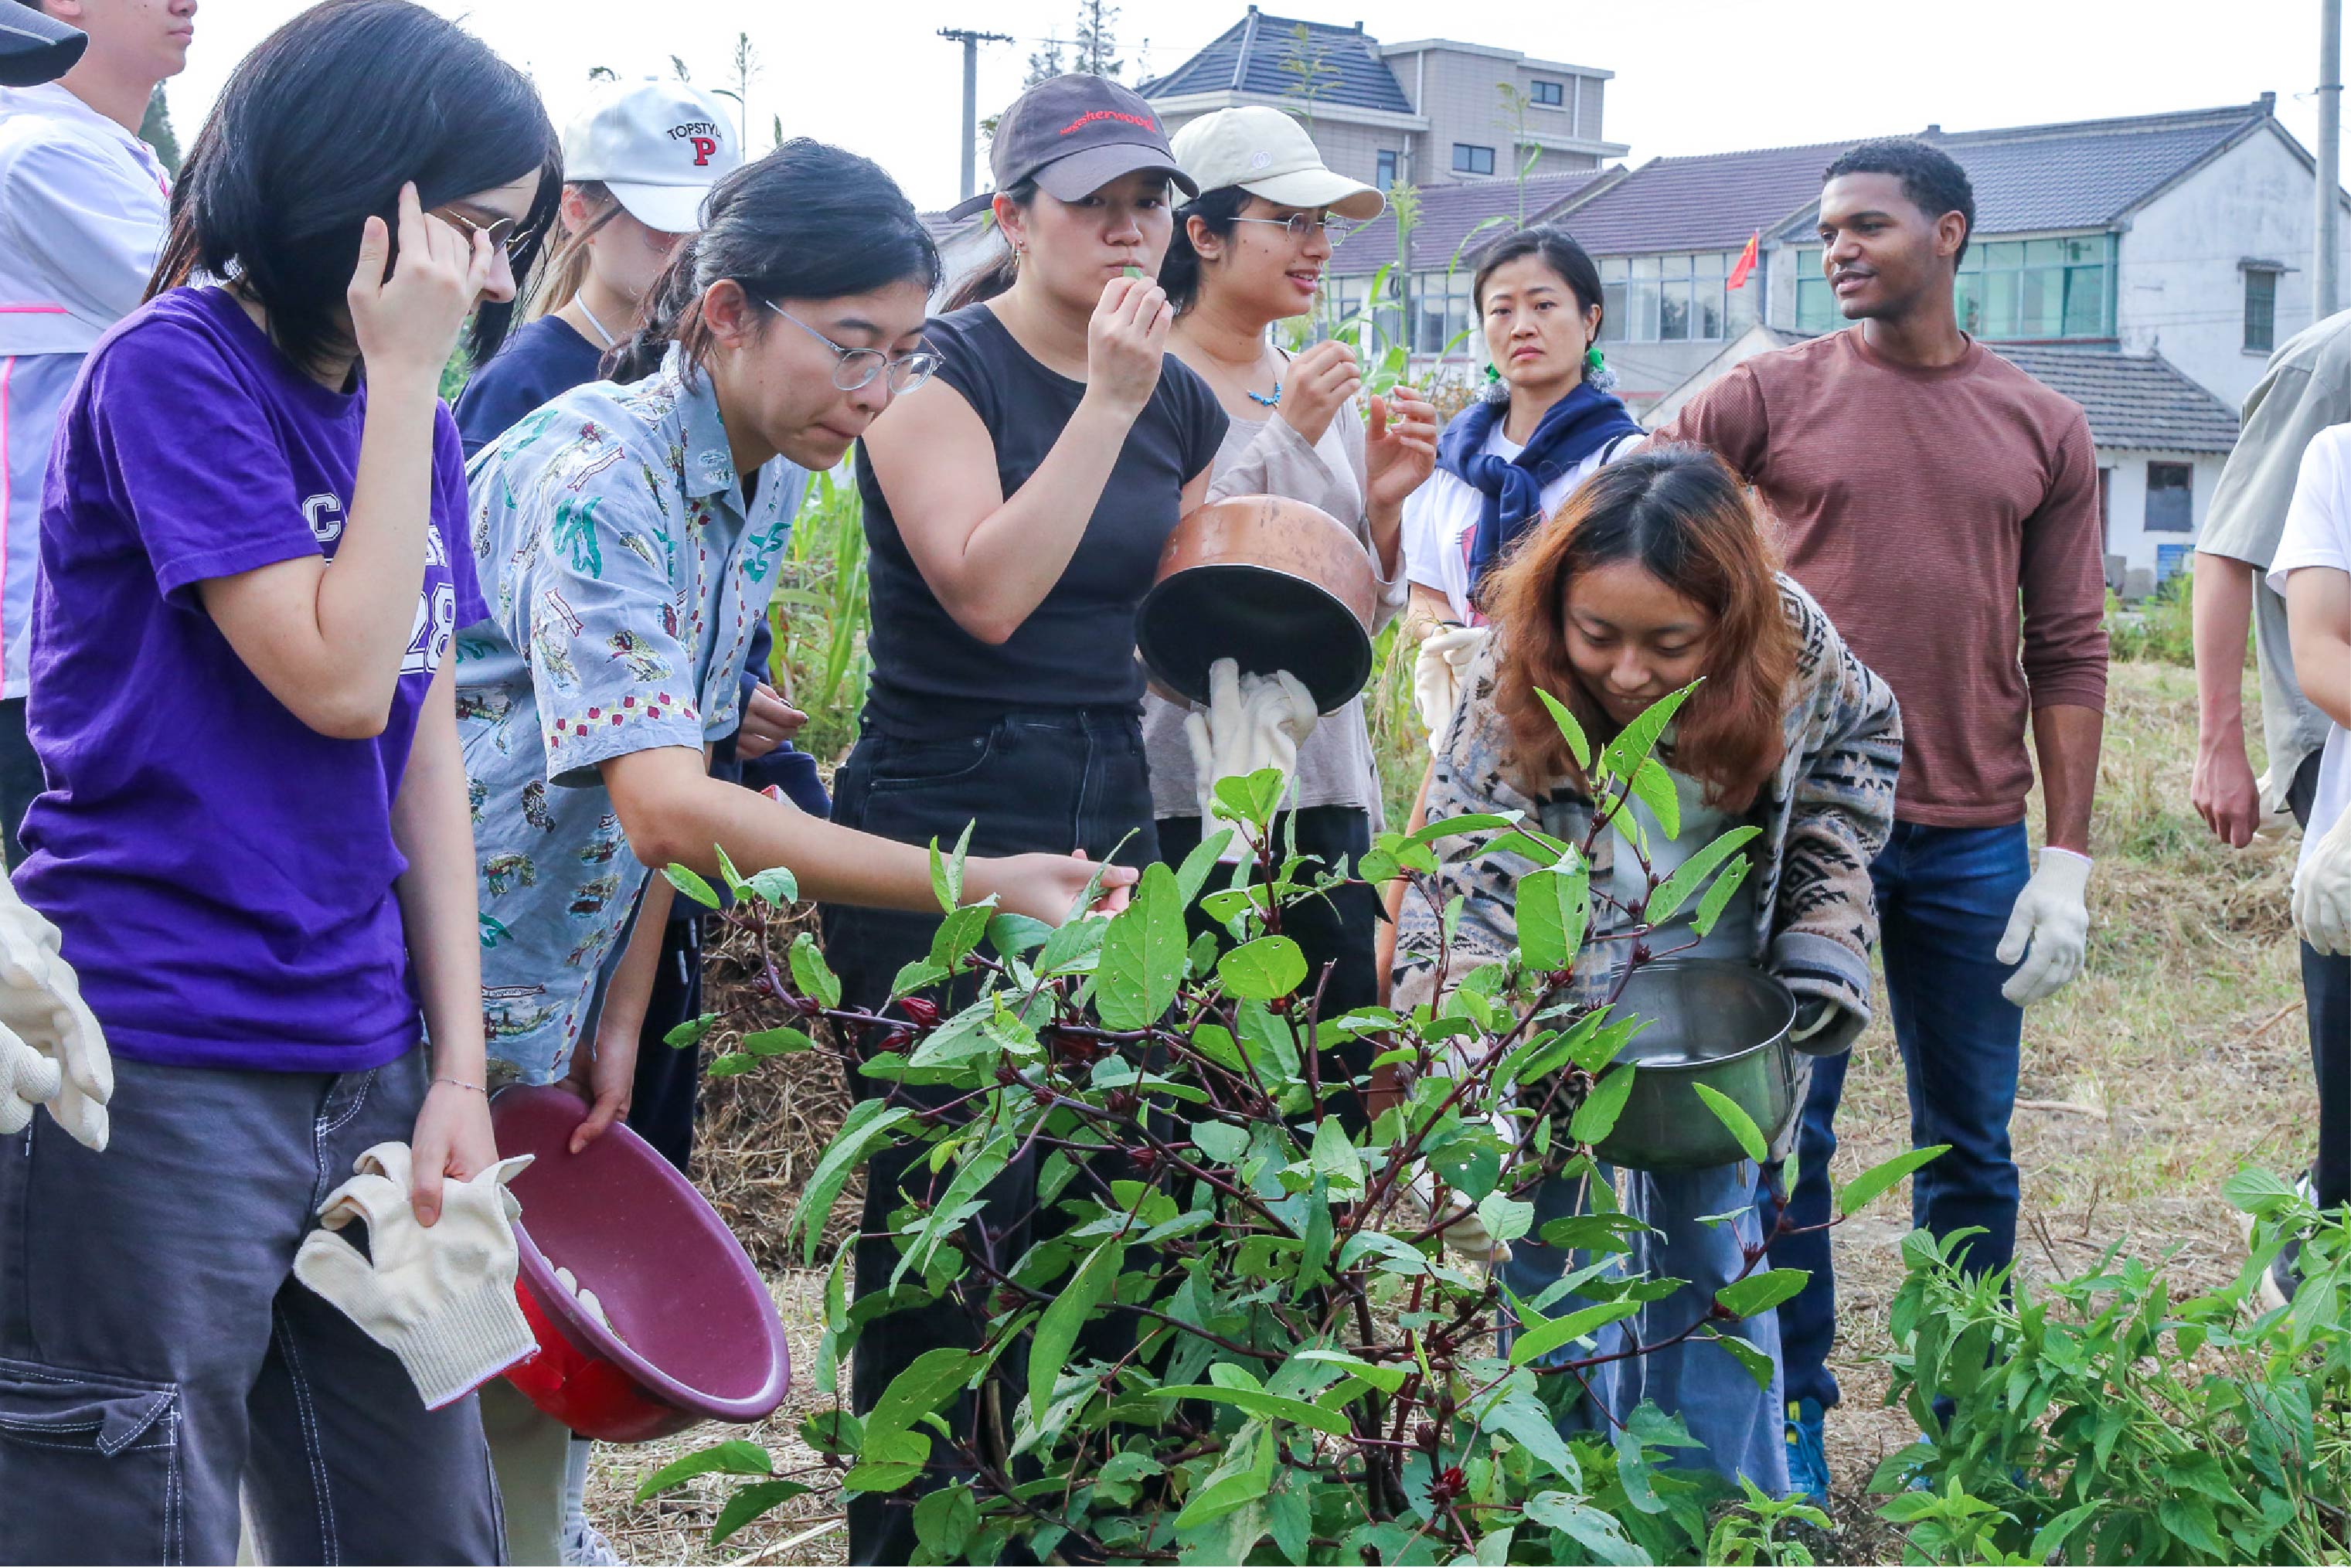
pixel 1269 582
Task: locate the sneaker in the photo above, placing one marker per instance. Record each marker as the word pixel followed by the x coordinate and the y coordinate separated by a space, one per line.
pixel 1808 1458
pixel 584 1546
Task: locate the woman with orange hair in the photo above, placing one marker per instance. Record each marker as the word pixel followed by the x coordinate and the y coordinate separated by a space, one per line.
pixel 1655 575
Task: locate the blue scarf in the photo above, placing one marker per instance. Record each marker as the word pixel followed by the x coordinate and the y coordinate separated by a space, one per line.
pixel 1578 425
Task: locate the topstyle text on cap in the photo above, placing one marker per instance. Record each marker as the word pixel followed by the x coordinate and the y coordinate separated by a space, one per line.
pixel 1092 115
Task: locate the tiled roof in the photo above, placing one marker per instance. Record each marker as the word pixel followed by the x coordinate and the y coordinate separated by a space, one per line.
pixel 2082 174
pixel 1449 215
pixel 1248 57
pixel 2133 400
pixel 1709 202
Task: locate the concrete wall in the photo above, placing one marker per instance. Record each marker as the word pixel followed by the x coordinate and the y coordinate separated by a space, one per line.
pixel 2182 293
pixel 2133 554
pixel 1459 92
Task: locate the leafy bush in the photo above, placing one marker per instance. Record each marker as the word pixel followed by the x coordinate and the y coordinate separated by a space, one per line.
pixel 1219 1328
pixel 2094 1419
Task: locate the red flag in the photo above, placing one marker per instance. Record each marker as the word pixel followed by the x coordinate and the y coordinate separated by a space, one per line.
pixel 1746 261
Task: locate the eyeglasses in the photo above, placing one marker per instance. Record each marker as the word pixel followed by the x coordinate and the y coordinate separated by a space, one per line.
pixel 1302 224
pixel 857 366
pixel 500 234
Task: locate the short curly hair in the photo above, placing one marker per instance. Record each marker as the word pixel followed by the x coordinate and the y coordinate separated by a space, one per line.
pixel 1931 177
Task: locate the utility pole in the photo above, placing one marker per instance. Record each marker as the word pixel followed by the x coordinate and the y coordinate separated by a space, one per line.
pixel 2326 296
pixel 971 40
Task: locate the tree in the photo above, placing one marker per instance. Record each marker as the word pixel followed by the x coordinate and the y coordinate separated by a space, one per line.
pixel 1045 63
pixel 155 130
pixel 1307 63
pixel 1097 41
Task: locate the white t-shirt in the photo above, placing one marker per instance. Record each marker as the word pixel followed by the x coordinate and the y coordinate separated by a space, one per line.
pixel 2318 534
pixel 1443 513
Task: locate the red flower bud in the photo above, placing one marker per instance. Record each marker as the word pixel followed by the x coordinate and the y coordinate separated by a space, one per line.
pixel 924 1011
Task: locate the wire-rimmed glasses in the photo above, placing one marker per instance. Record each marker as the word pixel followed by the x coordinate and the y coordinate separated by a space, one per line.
pixel 857 366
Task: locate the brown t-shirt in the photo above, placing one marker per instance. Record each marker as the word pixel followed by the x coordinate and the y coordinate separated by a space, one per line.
pixel 1922 507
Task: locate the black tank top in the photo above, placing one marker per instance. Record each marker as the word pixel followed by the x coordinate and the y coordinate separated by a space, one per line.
pixel 1077 647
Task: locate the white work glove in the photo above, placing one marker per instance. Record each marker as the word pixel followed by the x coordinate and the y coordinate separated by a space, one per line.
pixel 441 1298
pixel 2053 919
pixel 1438 671
pixel 1251 722
pixel 51 1051
pixel 2321 892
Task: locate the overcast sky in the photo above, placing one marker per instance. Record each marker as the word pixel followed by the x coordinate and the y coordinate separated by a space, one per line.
pixel 1697 75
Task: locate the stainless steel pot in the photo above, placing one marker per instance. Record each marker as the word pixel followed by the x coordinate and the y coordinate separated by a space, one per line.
pixel 1709 1021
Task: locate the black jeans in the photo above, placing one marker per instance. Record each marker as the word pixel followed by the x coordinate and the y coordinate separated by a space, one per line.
pixel 669 1079
pixel 20 777
pixel 1047 779
pixel 1335 931
pixel 2327 1001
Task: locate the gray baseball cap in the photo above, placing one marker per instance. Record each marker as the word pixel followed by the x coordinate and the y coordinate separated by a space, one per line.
pixel 35 46
pixel 1074 135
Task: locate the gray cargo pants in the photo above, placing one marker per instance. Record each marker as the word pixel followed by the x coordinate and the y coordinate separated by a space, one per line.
pixel 156 1352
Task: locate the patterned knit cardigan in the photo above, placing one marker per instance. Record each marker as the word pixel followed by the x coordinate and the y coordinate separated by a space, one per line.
pixel 1825 815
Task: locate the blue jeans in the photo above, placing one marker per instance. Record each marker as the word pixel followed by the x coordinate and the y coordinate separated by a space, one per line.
pixel 1738 1423
pixel 1944 897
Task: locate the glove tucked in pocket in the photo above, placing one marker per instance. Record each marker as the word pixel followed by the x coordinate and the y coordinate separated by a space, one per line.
pixel 441 1298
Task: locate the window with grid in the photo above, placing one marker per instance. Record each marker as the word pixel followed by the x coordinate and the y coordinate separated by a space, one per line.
pixel 2170 499
pixel 1677 299
pixel 2007 290
pixel 1442 313
pixel 1548 92
pixel 2260 309
pixel 1385 175
pixel 1470 160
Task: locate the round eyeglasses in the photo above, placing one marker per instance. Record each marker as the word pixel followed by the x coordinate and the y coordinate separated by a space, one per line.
pixel 500 234
pixel 857 366
pixel 1302 224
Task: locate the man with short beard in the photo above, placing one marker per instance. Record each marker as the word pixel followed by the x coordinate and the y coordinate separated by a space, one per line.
pixel 82 206
pixel 1943 508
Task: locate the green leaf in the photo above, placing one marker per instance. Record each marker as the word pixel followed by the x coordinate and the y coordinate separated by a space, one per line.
pixel 1057 1331
pixel 1070 944
pixel 691 1032
pixel 959 932
pixel 1505 1217
pixel 1268 1406
pixel 1600 1535
pixel 1244 1475
pixel 1676 890
pixel 1758 1365
pixel 1471 822
pixel 1333 1155
pixel 1220 1142
pixel 689 883
pixel 1864 1189
pixel 731 1064
pixel 734 883
pixel 1624 756
pixel 1386 1377
pixel 1533 1344
pixel 1717 898
pixel 1596 1117
pixel 1760 1292
pixel 1653 788
pixel 2052 1537
pixel 917 973
pixel 944 1521
pixel 1015 935
pixel 781 1041
pixel 925 1384
pixel 1732 1116
pixel 1192 874
pixel 750 1503
pixel 1578 746
pixel 812 974
pixel 946 873
pixel 1143 953
pixel 775 885
pixel 947 1212
pixel 734 1457
pixel 1553 905
pixel 1250 799
pixel 1267 967
pixel 866 1123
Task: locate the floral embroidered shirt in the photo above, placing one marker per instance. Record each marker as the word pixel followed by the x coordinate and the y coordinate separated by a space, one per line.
pixel 625 573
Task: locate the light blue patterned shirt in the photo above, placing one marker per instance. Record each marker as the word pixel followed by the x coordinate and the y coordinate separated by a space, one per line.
pixel 624 575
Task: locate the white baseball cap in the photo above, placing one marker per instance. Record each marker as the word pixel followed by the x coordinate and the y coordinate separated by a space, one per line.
pixel 1268 154
pixel 658 146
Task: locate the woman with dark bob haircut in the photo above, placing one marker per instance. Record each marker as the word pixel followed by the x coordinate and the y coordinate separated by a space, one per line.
pixel 1654 577
pixel 254 841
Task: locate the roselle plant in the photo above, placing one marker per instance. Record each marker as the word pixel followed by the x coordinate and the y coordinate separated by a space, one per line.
pixel 1219 1328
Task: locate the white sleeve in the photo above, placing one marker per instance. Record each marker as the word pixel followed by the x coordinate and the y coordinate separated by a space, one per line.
pixel 68 204
pixel 1433 517
pixel 2318 519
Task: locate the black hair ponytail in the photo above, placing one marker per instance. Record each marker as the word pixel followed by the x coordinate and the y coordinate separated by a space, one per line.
pixel 996 274
pixel 809 221
pixel 1180 269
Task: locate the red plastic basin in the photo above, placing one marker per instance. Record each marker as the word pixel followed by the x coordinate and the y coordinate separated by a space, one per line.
pixel 698 1338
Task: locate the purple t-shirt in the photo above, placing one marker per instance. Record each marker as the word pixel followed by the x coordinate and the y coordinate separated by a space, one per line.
pixel 222 873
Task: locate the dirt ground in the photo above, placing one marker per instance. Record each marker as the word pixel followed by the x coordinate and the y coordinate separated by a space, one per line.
pixel 2179 1056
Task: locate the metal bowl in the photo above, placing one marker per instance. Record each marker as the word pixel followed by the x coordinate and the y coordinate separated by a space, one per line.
pixel 1708 1022
pixel 1272 583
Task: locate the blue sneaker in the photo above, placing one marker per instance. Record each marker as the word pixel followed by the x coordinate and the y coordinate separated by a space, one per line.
pixel 1808 1458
